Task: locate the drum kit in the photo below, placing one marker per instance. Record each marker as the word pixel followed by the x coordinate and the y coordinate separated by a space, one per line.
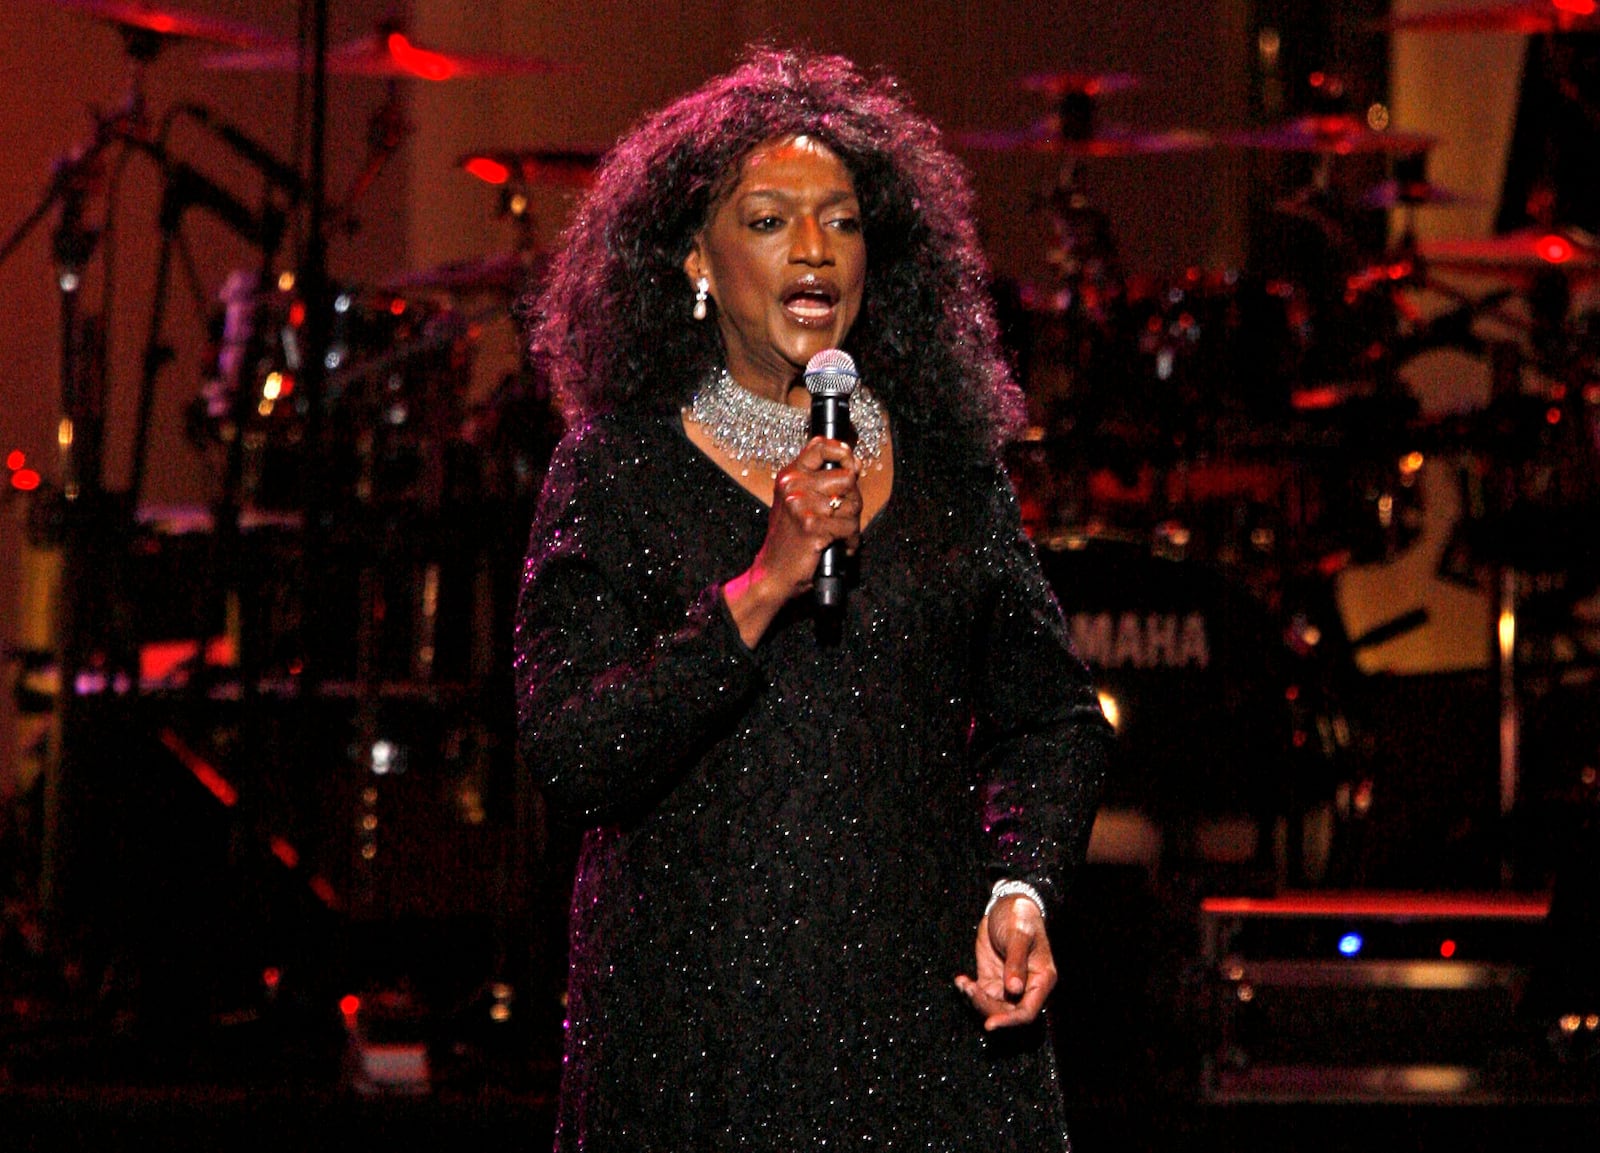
pixel 356 392
pixel 356 570
pixel 1207 450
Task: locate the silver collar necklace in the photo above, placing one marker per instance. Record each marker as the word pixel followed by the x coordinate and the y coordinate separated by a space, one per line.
pixel 754 430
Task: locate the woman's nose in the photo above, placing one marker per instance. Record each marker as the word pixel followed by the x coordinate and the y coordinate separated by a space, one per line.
pixel 810 242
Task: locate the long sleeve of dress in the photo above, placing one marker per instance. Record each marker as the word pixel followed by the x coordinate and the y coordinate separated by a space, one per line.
pixel 1041 738
pixel 621 674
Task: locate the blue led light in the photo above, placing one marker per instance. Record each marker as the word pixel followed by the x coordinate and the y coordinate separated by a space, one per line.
pixel 1350 944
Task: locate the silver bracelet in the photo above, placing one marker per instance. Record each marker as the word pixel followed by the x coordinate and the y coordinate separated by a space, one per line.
pixel 1013 889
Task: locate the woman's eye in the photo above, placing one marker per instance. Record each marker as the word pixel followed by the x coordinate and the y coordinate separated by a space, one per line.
pixel 846 224
pixel 766 223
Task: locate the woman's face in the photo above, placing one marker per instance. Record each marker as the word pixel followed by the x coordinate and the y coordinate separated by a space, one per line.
pixel 786 261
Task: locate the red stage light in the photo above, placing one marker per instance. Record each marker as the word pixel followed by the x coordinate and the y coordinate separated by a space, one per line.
pixel 271 977
pixel 16 459
pixel 1447 949
pixel 1554 248
pixel 25 480
pixel 1576 7
pixel 349 1004
pixel 419 61
pixel 488 169
pixel 297 313
pixel 397 306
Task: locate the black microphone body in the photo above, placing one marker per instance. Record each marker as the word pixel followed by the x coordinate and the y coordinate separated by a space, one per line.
pixel 830 378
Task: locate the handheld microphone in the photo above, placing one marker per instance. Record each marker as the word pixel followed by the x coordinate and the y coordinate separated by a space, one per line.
pixel 830 378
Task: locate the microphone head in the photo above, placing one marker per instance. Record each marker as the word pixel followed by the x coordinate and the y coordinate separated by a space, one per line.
pixel 832 372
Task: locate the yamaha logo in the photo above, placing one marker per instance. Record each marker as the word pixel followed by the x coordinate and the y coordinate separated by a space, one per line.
pixel 1142 641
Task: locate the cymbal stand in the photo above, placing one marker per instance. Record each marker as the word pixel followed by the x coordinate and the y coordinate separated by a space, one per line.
pixel 76 180
pixel 183 188
pixel 1084 252
pixel 387 130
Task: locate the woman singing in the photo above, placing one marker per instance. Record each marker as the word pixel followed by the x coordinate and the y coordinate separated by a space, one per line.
pixel 794 820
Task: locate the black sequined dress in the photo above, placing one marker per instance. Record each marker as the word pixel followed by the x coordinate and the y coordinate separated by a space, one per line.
pixel 789 849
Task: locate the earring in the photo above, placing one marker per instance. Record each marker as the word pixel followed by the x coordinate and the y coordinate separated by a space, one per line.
pixel 701 292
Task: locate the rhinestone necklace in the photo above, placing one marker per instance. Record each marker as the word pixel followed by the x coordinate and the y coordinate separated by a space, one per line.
pixel 754 430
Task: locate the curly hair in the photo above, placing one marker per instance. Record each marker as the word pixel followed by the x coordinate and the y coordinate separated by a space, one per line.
pixel 611 325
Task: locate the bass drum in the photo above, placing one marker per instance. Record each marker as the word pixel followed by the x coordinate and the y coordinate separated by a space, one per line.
pixel 1223 729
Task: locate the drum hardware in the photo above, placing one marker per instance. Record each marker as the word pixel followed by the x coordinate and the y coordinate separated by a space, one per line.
pixel 517 173
pixel 1399 192
pixel 502 274
pixel 1072 129
pixel 1524 17
pixel 406 436
pixel 387 54
pixel 147 29
pixel 1520 257
pixel 1330 134
pixel 525 168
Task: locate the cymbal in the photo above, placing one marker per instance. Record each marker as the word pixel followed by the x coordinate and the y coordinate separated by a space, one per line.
pixel 1058 84
pixel 503 272
pixel 1527 17
pixel 1046 136
pixel 1516 255
pixel 1336 135
pixel 133 15
pixel 1411 193
pixel 387 55
pixel 556 167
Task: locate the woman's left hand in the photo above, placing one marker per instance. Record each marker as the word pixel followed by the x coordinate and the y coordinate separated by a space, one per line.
pixel 1015 968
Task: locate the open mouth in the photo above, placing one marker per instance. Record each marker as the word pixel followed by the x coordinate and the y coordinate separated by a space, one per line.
pixel 811 301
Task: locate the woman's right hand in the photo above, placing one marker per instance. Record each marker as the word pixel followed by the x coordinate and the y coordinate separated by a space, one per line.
pixel 812 506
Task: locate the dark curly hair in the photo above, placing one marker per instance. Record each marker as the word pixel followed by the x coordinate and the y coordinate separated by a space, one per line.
pixel 611 325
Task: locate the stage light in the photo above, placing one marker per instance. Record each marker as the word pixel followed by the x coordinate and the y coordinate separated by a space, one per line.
pixel 16 459
pixel 1447 949
pixel 1112 710
pixel 1350 944
pixel 349 1005
pixel 25 480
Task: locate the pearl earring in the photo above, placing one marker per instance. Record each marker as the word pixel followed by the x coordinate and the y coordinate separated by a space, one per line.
pixel 701 292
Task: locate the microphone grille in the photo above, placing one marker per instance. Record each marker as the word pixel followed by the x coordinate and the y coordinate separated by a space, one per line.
pixel 832 372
